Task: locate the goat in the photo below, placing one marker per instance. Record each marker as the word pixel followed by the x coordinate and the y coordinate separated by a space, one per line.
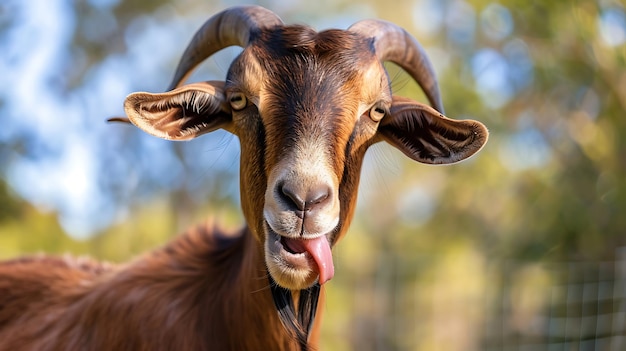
pixel 305 106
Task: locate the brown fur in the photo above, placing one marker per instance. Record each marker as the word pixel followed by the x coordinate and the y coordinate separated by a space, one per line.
pixel 203 291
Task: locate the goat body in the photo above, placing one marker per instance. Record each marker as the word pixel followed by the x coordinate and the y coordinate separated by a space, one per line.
pixel 203 291
pixel 305 106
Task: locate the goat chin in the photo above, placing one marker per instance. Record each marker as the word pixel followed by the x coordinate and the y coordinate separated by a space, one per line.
pixel 297 264
pixel 293 271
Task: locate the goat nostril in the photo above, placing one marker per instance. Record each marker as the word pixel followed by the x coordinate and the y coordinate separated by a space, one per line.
pixel 315 197
pixel 291 197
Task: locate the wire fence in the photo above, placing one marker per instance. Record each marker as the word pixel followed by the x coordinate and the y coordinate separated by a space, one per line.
pixel 584 309
pixel 467 303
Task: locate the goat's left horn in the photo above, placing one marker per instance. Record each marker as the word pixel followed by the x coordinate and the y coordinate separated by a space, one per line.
pixel 392 43
pixel 233 26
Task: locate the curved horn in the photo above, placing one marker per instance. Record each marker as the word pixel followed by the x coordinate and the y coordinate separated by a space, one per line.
pixel 392 43
pixel 233 26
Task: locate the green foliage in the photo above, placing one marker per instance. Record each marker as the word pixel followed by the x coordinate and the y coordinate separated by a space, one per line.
pixel 10 207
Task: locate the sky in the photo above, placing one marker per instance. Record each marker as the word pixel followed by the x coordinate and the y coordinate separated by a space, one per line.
pixel 64 131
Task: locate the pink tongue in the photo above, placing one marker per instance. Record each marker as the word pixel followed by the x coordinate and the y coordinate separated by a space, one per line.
pixel 319 249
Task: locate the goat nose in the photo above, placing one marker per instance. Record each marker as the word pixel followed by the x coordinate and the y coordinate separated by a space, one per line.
pixel 305 199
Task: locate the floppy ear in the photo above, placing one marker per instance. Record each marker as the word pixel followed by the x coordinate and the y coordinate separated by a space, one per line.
pixel 180 114
pixel 427 136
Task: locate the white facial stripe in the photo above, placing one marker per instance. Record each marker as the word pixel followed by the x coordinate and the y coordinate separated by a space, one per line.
pixel 307 166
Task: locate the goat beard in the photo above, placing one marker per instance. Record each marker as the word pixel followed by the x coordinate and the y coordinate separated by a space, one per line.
pixel 297 322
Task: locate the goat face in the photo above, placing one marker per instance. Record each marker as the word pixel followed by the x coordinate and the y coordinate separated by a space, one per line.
pixel 306 122
pixel 305 106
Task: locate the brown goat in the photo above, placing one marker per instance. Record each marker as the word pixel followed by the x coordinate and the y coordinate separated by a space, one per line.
pixel 306 106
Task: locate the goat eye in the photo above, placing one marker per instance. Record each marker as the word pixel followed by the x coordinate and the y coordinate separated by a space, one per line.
pixel 238 101
pixel 377 113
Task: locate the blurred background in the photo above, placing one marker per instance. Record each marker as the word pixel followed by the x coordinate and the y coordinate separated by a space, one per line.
pixel 522 247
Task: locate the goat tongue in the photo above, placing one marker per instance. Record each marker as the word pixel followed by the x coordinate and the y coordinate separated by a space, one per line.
pixel 319 249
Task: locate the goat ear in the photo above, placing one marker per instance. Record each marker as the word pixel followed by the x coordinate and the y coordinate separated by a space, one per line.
pixel 180 114
pixel 427 136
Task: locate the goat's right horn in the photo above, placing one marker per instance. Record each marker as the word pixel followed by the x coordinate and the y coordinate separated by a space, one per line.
pixel 392 43
pixel 233 26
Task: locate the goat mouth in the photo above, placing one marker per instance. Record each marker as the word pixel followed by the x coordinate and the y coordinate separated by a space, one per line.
pixel 298 260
